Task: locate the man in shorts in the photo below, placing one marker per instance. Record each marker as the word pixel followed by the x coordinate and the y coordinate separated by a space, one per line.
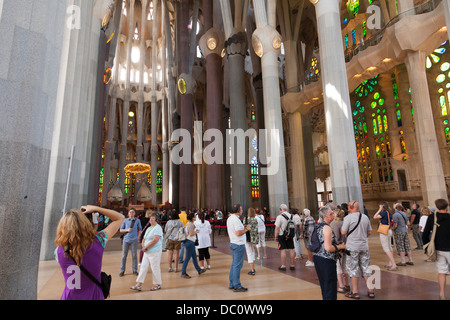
pixel 357 228
pixel 284 244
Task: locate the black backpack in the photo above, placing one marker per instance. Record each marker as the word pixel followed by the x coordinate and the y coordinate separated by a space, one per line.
pixel 315 242
pixel 289 232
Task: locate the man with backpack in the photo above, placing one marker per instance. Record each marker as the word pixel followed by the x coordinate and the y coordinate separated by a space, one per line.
pixel 285 233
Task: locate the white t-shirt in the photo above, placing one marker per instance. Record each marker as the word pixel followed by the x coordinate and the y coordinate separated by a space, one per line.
pixel 281 222
pixel 234 224
pixel 423 222
pixel 261 223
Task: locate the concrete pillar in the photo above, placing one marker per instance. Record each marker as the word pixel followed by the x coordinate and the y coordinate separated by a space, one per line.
pixel 299 199
pixel 433 181
pixel 344 170
pixel 236 47
pixel 154 111
pixel 186 116
pixel 214 99
pixel 32 41
pixel 267 43
pixel 75 105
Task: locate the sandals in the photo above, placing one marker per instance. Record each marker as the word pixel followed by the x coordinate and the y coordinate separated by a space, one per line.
pixel 371 295
pixel 136 287
pixel 155 287
pixel 343 289
pixel 252 273
pixel 352 295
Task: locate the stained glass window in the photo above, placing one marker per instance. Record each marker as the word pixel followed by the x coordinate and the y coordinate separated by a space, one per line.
pixel 377 150
pixel 447 135
pixel 399 118
pixel 159 181
pixel 403 144
pixel 254 172
pixel 385 123
pixel 380 125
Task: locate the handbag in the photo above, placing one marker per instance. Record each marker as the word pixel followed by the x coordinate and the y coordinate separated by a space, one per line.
pixel 181 235
pixel 430 248
pixel 384 228
pixel 106 279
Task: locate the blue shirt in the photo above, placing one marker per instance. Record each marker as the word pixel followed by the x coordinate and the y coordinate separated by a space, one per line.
pixel 132 235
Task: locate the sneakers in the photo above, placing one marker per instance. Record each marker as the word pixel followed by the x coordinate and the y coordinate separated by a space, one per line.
pixel 309 264
pixel 185 276
pixel 201 271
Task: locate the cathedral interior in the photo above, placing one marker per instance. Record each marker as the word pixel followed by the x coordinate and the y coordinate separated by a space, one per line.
pixel 355 94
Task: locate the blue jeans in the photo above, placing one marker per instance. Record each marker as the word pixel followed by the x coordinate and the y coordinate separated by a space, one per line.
pixel 190 253
pixel 238 254
pixel 181 253
pixel 125 247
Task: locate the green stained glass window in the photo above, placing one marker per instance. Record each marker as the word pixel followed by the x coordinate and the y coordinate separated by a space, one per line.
pixel 375 126
pixel 380 125
pixel 443 105
pixel 447 135
pixel 435 58
pixel 381 102
pixel 385 123
pixel 373 105
pixel 445 66
pixel 376 96
pixel 399 118
pixel 440 78
pixel 403 144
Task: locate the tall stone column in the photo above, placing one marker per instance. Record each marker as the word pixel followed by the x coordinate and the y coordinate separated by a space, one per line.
pixel 211 45
pixel 154 111
pixel 344 170
pixel 236 47
pixel 267 44
pixel 433 181
pixel 299 199
pixel 32 44
pixel 187 120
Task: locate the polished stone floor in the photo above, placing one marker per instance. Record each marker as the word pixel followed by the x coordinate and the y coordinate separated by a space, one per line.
pixel 418 282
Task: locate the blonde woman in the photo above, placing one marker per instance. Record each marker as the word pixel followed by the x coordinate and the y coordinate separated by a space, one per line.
pixel 76 240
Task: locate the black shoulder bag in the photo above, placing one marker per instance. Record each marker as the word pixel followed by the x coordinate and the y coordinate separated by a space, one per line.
pixel 106 279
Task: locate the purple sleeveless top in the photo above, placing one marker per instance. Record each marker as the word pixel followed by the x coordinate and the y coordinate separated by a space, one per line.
pixel 77 285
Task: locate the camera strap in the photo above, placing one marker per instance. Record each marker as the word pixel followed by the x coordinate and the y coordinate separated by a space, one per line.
pixel 359 220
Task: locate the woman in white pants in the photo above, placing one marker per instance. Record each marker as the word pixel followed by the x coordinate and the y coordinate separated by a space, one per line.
pixel 152 248
pixel 262 233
